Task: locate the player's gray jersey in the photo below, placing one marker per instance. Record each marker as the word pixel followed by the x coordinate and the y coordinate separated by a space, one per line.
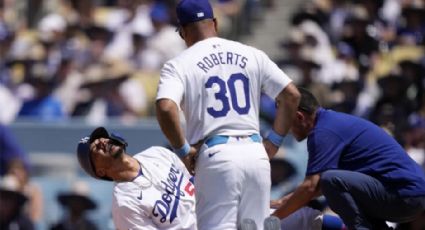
pixel 221 82
pixel 162 198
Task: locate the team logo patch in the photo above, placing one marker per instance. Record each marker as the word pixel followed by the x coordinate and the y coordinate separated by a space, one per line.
pixel 200 14
pixel 84 140
pixel 169 202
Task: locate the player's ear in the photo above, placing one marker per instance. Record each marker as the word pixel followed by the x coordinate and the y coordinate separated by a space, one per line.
pixel 215 25
pixel 299 116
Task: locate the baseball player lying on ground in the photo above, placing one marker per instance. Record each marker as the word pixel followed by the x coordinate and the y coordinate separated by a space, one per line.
pixel 153 189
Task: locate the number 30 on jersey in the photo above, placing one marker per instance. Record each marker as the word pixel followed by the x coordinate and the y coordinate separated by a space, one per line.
pixel 222 91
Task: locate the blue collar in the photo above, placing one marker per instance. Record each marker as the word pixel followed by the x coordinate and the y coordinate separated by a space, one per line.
pixel 140 172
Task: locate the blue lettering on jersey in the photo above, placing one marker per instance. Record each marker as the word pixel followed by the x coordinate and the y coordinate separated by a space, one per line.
pixel 222 96
pixel 244 60
pixel 165 206
pixel 229 58
pixel 215 59
pixel 220 58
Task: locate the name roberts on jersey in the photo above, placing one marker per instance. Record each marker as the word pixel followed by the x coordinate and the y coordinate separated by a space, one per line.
pixel 222 58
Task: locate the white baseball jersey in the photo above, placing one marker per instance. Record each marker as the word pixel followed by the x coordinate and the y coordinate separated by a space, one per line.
pixel 221 82
pixel 161 198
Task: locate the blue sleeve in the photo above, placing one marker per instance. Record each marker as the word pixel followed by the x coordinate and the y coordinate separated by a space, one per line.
pixel 324 150
pixel 267 107
pixel 10 149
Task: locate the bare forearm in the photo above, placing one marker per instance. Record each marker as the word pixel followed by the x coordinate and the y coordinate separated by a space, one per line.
pixel 291 204
pixel 308 190
pixel 168 118
pixel 287 104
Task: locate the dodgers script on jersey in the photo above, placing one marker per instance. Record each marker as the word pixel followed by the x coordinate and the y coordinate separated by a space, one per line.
pixel 161 198
pixel 224 79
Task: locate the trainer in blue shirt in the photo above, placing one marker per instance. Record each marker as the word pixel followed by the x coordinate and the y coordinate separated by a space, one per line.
pixel 365 175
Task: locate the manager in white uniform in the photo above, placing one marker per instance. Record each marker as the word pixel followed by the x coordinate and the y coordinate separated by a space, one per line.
pixel 217 84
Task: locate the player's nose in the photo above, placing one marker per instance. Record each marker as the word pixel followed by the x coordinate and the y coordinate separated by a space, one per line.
pixel 99 144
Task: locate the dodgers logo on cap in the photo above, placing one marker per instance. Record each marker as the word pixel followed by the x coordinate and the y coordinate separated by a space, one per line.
pixel 84 140
pixel 189 11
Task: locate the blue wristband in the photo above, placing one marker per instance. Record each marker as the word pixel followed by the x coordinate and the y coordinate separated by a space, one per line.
pixel 275 138
pixel 183 151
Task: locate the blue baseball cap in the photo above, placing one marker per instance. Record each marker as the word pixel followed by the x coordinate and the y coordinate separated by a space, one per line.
pixel 83 149
pixel 189 11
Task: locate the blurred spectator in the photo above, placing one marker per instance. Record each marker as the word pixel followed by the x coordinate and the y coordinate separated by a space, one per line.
pixel 10 150
pixel 393 106
pixel 51 28
pixel 310 79
pixel 414 75
pixel 123 20
pixel 412 28
pixel 6 39
pixel 357 35
pixel 165 42
pixel 227 12
pixel 52 35
pixel 108 90
pixel 343 68
pixel 77 10
pixel 11 209
pixel 43 105
pixel 34 206
pixel 13 104
pixel 319 49
pixel 22 53
pixel 68 81
pixel 99 37
pixel 141 57
pixel 348 92
pixel 414 136
pixel 76 203
pixel 391 11
pixel 336 12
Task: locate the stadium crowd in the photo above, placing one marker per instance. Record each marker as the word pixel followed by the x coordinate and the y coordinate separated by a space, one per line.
pixel 96 59
pixel 364 58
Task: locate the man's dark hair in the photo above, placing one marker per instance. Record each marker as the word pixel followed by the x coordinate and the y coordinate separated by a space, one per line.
pixel 308 102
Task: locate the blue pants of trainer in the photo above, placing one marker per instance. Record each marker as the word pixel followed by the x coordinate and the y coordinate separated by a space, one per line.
pixel 363 202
